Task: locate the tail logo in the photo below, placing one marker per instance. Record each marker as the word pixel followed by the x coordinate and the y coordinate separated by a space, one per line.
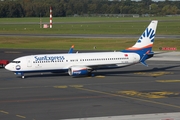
pixel 148 33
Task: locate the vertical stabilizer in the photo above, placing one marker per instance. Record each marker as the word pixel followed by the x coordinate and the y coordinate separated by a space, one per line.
pixel 146 40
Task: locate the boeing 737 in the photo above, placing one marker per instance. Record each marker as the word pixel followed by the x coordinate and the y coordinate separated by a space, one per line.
pixel 83 64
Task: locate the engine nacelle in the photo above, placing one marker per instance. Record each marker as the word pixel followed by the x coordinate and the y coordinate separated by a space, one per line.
pixel 78 71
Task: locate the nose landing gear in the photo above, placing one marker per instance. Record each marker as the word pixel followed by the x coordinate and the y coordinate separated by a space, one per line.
pixel 20 74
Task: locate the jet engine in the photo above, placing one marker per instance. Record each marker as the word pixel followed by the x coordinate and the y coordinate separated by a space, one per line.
pixel 78 71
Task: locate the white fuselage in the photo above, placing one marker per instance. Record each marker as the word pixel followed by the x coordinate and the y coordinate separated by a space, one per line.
pixel 52 62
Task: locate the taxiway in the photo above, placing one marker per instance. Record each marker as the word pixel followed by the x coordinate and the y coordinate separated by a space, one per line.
pixel 127 91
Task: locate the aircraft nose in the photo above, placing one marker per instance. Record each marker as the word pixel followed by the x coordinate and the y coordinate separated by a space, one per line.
pixel 8 67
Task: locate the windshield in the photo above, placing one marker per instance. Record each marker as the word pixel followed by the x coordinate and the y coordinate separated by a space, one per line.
pixel 15 61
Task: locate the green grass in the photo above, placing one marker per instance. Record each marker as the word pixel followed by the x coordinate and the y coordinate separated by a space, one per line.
pixel 85 19
pixel 80 44
pixel 86 25
pixel 90 25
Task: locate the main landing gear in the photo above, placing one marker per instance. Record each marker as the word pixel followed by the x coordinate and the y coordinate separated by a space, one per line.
pixel 90 74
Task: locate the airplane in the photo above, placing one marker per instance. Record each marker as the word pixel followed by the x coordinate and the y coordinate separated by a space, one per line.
pixel 83 64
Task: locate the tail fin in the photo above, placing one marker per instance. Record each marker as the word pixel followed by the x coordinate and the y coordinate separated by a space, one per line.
pixel 144 44
pixel 146 39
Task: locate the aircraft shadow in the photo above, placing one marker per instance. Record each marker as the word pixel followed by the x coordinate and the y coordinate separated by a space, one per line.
pixel 115 72
pixel 36 75
pixel 119 72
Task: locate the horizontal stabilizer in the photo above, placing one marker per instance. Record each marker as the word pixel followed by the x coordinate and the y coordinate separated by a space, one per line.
pixel 143 62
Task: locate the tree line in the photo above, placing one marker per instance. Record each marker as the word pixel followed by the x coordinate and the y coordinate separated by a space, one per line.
pixel 63 8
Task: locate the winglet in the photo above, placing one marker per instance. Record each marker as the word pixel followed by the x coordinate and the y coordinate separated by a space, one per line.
pixel 71 49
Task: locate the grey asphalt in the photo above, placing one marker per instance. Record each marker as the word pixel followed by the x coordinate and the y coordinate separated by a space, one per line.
pixel 127 91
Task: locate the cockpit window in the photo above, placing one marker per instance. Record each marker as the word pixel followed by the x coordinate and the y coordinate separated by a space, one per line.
pixel 15 61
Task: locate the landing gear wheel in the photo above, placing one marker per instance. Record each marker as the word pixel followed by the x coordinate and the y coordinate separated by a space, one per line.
pixel 23 77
